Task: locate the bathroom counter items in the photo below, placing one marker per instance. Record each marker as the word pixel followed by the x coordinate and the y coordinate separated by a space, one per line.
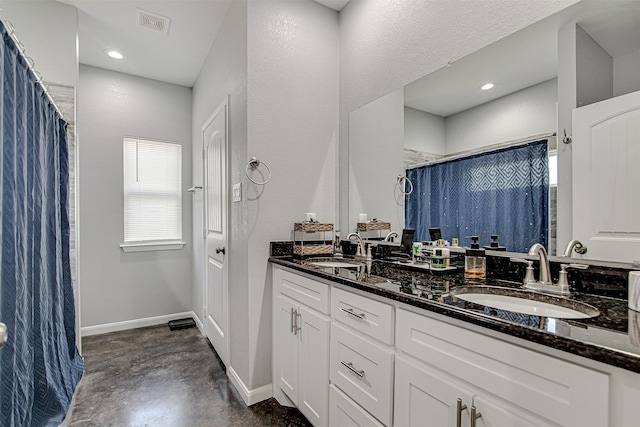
pixel 312 239
pixel 612 337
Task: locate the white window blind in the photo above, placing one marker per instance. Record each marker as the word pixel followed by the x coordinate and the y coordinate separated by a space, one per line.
pixel 152 191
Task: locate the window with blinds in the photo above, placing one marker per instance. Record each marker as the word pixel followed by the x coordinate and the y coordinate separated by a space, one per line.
pixel 152 191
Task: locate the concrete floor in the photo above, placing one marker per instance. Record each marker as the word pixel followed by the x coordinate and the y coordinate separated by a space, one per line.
pixel 157 377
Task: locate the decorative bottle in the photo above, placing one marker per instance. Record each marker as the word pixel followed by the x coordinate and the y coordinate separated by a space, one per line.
pixel 475 261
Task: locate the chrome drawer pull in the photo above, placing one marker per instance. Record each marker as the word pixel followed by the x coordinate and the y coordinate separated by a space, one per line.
pixel 296 316
pixel 459 409
pixel 350 367
pixel 292 321
pixel 474 416
pixel 353 313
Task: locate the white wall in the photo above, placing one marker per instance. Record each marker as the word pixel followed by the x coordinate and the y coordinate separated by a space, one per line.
pixel 279 62
pixel 423 131
pixel 225 73
pixel 376 135
pixel 386 44
pixel 531 111
pixel 48 30
pixel 626 73
pixel 293 126
pixel 117 286
pixel 594 70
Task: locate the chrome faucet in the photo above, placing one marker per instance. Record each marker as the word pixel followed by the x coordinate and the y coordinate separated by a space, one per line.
pixel 545 277
pixel 577 245
pixel 545 284
pixel 360 254
pixel 390 236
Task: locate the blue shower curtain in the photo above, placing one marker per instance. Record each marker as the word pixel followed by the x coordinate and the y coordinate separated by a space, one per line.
pixel 39 365
pixel 503 192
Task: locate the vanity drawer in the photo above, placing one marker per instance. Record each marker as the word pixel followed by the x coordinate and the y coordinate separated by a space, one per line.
pixel 363 314
pixel 363 370
pixel 344 412
pixel 307 291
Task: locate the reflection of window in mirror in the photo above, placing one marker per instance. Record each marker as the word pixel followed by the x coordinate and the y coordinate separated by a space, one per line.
pixel 553 198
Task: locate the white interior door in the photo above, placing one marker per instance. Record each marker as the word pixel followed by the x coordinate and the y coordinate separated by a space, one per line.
pixel 214 139
pixel 606 178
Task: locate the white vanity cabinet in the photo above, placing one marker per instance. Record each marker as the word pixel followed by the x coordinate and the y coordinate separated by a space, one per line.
pixel 362 359
pixel 348 358
pixel 439 363
pixel 301 344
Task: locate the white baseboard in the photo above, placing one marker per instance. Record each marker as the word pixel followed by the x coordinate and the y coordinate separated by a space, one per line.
pixel 250 397
pixel 136 323
pixel 199 324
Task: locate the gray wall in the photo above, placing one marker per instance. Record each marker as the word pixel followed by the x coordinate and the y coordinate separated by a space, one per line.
pixel 423 131
pixel 383 46
pixel 225 72
pixel 531 111
pixel 375 137
pixel 117 286
pixel 48 30
pixel 626 73
pixel 594 70
pixel 293 126
pixel 284 55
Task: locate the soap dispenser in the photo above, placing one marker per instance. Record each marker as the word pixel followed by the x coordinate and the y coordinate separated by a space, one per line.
pixel 494 245
pixel 475 260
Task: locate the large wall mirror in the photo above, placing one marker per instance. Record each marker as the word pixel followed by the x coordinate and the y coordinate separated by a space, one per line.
pixel 446 114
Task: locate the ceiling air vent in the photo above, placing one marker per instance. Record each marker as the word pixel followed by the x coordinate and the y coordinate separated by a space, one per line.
pixel 153 22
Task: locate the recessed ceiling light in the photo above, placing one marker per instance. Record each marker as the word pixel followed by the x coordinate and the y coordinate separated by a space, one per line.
pixel 486 86
pixel 114 54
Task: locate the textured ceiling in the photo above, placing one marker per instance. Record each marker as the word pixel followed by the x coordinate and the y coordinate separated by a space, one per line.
pixel 175 57
pixel 524 58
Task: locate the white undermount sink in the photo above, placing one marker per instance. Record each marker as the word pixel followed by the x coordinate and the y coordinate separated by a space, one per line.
pixel 527 302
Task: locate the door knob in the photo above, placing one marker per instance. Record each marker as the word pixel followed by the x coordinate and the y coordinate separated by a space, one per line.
pixel 222 249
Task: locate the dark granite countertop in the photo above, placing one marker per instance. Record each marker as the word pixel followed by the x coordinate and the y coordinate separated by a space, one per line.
pixel 612 337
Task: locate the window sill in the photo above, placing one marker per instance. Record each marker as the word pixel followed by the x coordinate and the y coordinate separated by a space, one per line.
pixel 152 246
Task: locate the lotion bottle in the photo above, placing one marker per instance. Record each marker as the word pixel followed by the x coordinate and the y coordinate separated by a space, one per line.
pixel 475 261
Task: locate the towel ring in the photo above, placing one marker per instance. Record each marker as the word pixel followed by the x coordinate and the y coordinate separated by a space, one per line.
pixel 255 163
pixel 406 180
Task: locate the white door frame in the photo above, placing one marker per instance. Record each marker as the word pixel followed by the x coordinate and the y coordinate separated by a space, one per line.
pixel 224 105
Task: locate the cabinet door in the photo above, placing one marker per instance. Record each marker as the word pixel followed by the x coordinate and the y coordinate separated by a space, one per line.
pixel 494 413
pixel 286 348
pixel 425 399
pixel 314 366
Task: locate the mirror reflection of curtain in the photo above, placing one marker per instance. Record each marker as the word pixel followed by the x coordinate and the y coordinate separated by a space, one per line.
pixel 39 365
pixel 503 192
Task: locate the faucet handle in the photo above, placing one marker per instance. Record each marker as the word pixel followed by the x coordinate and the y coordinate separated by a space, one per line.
pixel 563 283
pixel 528 277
